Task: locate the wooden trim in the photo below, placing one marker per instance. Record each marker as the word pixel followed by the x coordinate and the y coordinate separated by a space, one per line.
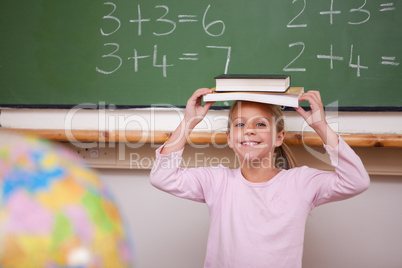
pixel 133 136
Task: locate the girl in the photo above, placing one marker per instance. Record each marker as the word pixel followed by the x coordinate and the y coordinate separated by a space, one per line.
pixel 259 210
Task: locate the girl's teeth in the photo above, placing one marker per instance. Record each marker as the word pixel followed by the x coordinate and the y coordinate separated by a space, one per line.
pixel 249 143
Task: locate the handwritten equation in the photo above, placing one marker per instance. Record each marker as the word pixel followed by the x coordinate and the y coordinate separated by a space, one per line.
pixel 333 11
pixel 355 61
pixel 163 18
pixel 160 61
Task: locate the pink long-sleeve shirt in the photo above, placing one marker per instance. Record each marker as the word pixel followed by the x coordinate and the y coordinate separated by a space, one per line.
pixel 260 224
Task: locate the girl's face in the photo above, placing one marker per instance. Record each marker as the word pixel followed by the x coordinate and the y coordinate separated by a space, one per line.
pixel 252 133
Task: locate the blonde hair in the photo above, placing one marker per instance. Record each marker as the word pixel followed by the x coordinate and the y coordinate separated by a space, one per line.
pixel 283 156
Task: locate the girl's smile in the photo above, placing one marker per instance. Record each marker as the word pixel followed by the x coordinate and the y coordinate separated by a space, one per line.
pixel 250 143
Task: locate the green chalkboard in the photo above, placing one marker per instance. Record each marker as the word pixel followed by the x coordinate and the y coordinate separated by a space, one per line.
pixel 144 53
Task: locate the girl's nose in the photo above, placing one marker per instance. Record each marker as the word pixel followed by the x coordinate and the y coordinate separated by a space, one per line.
pixel 249 130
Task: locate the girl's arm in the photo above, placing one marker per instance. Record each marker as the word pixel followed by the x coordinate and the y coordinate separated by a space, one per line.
pixel 350 177
pixel 315 118
pixel 166 175
pixel 194 114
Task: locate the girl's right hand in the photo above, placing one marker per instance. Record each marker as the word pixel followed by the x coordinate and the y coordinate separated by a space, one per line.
pixel 195 112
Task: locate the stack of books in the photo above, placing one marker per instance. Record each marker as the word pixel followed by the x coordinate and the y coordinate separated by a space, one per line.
pixel 273 89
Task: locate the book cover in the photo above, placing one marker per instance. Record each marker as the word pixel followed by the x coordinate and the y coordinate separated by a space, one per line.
pixel 252 82
pixel 289 98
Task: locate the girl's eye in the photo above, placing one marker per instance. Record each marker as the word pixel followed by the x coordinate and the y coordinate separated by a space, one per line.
pixel 261 125
pixel 240 125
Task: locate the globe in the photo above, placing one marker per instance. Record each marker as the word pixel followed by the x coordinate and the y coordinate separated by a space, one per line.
pixel 54 212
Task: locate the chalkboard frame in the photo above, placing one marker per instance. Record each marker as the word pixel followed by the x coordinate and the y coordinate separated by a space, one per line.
pixel 130 107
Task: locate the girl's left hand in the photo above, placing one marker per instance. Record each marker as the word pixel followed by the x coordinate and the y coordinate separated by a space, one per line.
pixel 315 118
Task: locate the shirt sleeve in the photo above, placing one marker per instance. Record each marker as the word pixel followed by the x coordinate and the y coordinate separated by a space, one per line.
pixel 349 179
pixel 196 184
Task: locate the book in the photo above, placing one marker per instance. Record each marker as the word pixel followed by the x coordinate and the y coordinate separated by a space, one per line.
pixel 289 98
pixel 252 82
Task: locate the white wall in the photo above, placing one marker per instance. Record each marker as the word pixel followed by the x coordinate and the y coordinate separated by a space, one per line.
pixel 167 231
pixel 365 231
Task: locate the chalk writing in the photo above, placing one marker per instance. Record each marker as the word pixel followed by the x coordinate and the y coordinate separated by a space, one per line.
pixel 159 61
pixel 109 16
pixel 166 22
pixel 389 61
pixel 331 58
pixel 355 61
pixel 164 18
pixel 140 20
pixel 136 58
pixel 331 12
pixel 187 18
pixel 111 55
pixel 357 66
pixel 164 64
pixel 229 49
pixel 293 69
pixel 290 25
pixel 155 58
pixel 207 26
pixel 387 7
pixel 361 9
pixel 189 56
